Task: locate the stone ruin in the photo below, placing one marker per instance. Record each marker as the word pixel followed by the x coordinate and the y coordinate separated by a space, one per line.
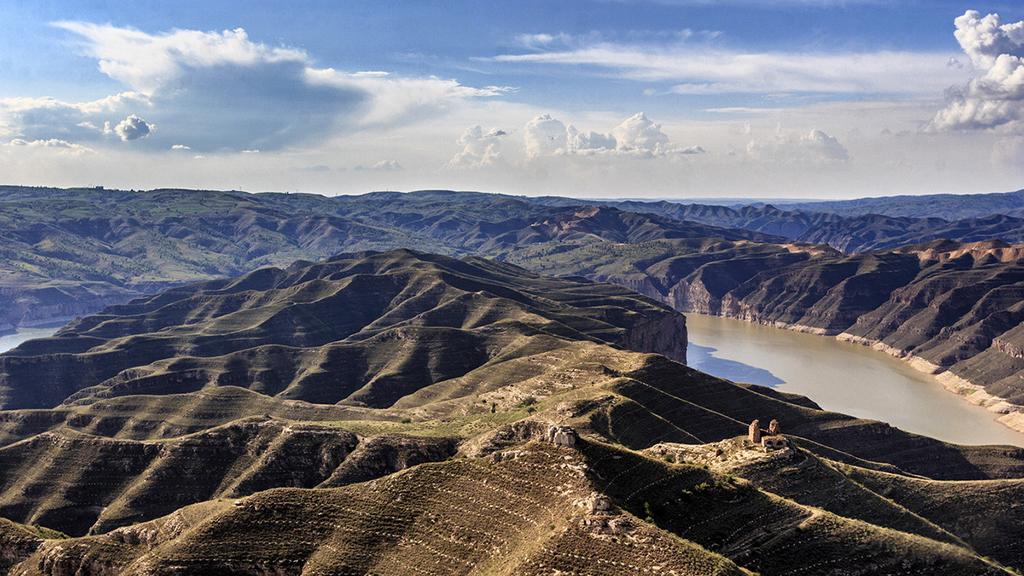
pixel 561 436
pixel 602 519
pixel 773 440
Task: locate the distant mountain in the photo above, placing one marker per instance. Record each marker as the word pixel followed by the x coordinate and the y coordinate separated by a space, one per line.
pixel 851 233
pixel 70 252
pixel 945 206
pixel 380 411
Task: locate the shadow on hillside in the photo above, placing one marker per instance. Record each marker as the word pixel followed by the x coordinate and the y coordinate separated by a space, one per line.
pixel 702 358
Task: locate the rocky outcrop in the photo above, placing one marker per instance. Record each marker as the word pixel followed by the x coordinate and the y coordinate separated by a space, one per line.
pixel 17 543
pixel 663 334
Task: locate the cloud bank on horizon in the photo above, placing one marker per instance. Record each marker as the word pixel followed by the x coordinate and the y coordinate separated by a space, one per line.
pixel 615 111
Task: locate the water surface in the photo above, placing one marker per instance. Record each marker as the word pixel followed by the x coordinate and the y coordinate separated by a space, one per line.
pixel 11 340
pixel 841 377
pixel 838 376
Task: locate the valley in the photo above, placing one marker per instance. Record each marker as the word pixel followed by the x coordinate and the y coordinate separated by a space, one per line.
pixel 380 410
pixel 582 288
pixel 949 307
pixel 255 380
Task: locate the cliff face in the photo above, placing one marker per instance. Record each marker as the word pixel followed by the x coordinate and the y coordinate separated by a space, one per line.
pixel 16 544
pixel 665 335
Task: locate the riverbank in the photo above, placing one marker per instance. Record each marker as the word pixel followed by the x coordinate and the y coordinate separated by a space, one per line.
pixel 840 377
pixel 1009 414
pixel 1004 412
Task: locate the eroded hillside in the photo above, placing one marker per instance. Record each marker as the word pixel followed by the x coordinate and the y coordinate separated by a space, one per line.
pixel 395 412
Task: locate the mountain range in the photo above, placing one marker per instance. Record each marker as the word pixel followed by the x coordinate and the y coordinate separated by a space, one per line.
pixel 950 307
pixel 401 411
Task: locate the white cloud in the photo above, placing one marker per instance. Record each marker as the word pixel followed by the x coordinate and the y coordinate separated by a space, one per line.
pixel 133 128
pixel 639 133
pixel 822 145
pixel 222 91
pixel 704 69
pixel 544 136
pixel 49 118
pixel 479 148
pixel 51 143
pixel 795 148
pixel 995 98
pixel 180 147
pixel 588 141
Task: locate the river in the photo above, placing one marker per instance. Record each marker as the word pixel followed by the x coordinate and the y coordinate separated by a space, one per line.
pixel 840 377
pixel 11 340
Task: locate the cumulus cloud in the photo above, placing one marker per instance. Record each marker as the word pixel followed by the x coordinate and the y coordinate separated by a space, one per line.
pixel 49 118
pixel 544 136
pixel 182 147
pixel 222 91
pixel 133 128
pixel 637 135
pixel 588 141
pixel 995 97
pixel 824 146
pixel 479 148
pixel 793 147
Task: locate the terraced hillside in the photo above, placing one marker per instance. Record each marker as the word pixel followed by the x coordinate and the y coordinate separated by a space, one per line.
pixel 401 412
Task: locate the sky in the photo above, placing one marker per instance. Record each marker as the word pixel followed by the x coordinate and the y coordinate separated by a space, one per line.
pixel 601 98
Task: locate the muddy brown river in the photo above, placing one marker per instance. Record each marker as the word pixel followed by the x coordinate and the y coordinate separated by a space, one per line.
pixel 841 377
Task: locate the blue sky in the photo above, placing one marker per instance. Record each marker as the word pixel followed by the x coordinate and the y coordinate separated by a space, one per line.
pixel 804 98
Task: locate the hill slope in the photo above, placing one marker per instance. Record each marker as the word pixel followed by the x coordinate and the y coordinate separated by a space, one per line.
pixel 398 411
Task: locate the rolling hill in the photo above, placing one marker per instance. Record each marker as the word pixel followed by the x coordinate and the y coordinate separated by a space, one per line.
pixel 403 411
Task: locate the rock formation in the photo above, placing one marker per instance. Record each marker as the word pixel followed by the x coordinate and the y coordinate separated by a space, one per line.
pixel 754 432
pixel 562 436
